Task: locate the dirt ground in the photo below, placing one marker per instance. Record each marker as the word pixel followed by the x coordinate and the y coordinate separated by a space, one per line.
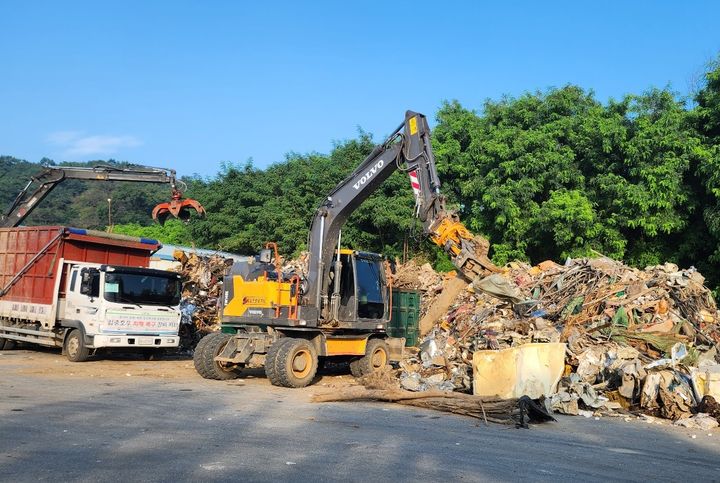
pixel 50 363
pixel 45 363
pixel 125 418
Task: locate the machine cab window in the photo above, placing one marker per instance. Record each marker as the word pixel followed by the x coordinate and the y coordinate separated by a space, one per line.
pixel 362 287
pixel 370 288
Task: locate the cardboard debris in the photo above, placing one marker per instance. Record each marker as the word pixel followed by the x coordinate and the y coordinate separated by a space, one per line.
pixel 636 339
pixel 528 370
pixel 706 380
pixel 297 265
pixel 418 277
pixel 202 286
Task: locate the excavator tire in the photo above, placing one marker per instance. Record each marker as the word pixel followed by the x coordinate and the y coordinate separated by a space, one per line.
pixel 377 355
pixel 198 361
pixel 296 363
pixel 204 357
pixel 271 361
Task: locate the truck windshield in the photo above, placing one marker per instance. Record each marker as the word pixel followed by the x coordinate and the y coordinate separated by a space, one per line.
pixel 137 288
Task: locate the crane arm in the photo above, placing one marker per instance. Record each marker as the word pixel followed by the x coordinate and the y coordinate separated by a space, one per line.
pixel 408 149
pixel 52 176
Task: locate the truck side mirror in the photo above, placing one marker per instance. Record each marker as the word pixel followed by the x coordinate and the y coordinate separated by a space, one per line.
pixel 85 282
pixel 265 256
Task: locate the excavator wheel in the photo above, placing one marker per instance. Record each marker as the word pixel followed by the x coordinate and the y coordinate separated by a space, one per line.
pixel 295 363
pixel 271 360
pixel 377 355
pixel 204 358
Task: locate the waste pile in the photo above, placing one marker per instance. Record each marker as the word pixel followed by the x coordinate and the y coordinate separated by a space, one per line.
pixel 641 341
pixel 297 265
pixel 415 276
pixel 202 285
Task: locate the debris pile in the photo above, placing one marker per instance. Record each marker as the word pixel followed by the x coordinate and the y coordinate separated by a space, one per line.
pixel 297 265
pixel 414 276
pixel 637 340
pixel 202 285
pixel 422 277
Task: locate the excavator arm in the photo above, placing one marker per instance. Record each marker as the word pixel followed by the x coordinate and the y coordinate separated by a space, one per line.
pixel 51 176
pixel 467 252
pixel 407 149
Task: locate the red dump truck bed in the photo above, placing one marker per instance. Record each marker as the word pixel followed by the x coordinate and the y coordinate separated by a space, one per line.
pixel 29 258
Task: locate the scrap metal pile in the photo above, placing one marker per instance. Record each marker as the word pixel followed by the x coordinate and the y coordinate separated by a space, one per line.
pixel 643 341
pixel 202 285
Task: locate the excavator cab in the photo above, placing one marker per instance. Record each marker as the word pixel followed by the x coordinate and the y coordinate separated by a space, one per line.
pixel 364 295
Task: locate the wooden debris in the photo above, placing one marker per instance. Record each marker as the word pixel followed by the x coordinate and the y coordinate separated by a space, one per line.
pixel 492 410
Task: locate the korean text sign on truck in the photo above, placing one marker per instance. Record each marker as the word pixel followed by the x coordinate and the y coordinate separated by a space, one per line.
pixel 84 290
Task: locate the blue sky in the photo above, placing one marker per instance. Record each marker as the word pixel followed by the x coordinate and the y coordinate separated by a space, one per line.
pixel 192 84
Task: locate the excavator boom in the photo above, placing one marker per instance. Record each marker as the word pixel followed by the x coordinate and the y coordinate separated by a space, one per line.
pixel 408 149
pixel 51 176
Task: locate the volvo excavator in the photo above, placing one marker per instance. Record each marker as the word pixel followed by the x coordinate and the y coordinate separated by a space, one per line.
pixel 51 176
pixel 341 308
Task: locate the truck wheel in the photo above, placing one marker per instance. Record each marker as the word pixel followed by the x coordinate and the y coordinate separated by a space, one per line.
pixel 75 349
pixel 376 358
pixel 271 361
pixel 204 358
pixel 296 363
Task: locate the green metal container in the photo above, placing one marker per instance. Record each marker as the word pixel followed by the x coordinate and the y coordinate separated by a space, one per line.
pixel 405 316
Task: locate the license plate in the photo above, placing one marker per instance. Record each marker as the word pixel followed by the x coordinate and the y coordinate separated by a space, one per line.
pixel 145 341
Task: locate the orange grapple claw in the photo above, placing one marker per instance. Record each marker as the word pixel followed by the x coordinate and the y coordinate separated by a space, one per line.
pixel 178 207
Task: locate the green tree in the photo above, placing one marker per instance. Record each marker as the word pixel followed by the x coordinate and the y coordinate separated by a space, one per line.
pixel 707 121
pixel 553 174
pixel 248 206
pixel 173 232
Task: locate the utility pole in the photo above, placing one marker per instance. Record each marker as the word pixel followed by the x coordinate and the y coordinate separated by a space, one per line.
pixel 109 227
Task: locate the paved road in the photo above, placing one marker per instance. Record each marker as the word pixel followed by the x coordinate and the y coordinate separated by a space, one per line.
pixel 56 424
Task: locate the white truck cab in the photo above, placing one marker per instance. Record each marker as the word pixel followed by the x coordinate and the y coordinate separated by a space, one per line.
pixel 115 306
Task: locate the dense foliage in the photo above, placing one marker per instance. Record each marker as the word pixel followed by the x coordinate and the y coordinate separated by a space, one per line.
pixel 544 176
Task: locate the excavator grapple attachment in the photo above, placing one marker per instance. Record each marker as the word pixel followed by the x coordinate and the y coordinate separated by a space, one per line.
pixel 468 252
pixel 178 207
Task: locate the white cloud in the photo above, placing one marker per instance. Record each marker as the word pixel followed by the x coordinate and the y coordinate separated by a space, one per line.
pixel 77 143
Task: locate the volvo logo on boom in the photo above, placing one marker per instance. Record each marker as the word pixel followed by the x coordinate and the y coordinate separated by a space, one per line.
pixel 371 172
